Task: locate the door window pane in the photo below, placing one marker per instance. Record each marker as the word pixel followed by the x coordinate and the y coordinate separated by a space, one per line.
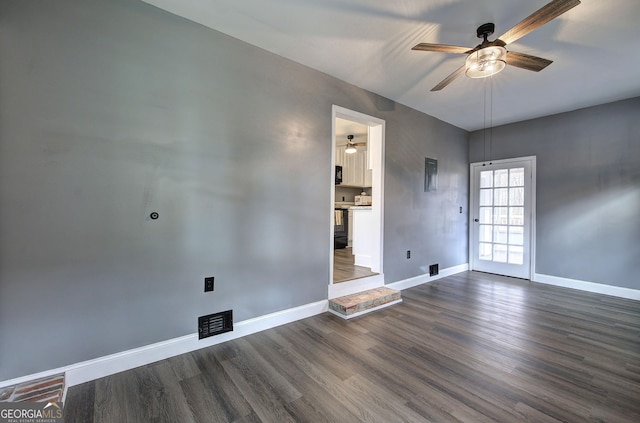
pixel 500 253
pixel 516 235
pixel 516 177
pixel 501 178
pixel 485 215
pixel 500 216
pixel 516 196
pixel 486 197
pixel 486 179
pixel 516 216
pixel 484 251
pixel 485 233
pixel 501 196
pixel 500 234
pixel 516 254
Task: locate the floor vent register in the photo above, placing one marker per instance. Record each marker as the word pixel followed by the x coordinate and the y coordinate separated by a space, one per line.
pixel 215 324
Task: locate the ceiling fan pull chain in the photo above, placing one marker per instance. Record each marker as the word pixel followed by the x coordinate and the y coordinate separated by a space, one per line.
pixel 490 118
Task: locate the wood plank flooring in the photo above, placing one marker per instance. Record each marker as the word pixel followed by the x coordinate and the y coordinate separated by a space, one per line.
pixel 344 268
pixel 467 348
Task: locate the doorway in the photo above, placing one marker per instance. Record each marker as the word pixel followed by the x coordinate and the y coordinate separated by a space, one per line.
pixel 362 257
pixel 502 219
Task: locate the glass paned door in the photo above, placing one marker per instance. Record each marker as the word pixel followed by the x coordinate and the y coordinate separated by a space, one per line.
pixel 501 217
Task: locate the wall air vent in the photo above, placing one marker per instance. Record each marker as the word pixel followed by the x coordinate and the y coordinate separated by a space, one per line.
pixel 433 269
pixel 215 324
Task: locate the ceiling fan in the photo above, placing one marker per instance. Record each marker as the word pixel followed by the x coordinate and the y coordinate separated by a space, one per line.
pixel 490 57
pixel 351 146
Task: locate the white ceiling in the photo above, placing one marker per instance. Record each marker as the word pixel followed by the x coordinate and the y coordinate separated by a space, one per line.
pixel 345 127
pixel 594 48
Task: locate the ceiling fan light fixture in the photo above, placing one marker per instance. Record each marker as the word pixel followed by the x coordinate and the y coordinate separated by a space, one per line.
pixel 486 62
pixel 351 148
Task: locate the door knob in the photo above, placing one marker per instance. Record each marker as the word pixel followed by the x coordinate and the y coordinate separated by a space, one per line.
pixel 476 220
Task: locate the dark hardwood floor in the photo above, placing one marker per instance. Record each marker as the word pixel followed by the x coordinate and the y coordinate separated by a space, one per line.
pixel 467 348
pixel 344 268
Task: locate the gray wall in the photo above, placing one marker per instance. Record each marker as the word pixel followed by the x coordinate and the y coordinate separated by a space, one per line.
pixel 588 189
pixel 112 109
pixel 428 224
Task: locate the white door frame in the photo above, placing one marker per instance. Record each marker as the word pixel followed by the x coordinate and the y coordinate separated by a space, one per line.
pixel 376 155
pixel 472 208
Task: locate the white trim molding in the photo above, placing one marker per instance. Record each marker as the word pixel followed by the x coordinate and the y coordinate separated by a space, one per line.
pixel 89 370
pixel 505 269
pixel 104 366
pixel 86 371
pixel 376 160
pixel 598 288
pixel 419 280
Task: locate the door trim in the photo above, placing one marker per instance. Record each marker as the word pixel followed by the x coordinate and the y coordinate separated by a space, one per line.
pixel 377 141
pixel 472 207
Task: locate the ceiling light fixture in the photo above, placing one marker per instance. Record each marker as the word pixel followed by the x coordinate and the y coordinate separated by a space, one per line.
pixel 351 148
pixel 486 62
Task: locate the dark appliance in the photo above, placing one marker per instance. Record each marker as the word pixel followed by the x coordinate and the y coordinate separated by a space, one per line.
pixel 338 175
pixel 340 228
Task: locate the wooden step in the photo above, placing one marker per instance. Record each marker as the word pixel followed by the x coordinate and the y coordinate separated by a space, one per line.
pixel 48 389
pixel 363 302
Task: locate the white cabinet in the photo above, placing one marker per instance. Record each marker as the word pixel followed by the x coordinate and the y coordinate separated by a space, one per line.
pixel 355 172
pixel 340 156
pixel 355 169
pixel 362 244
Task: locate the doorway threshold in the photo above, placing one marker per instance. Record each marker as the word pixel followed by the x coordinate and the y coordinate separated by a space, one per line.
pixel 356 285
pixel 344 268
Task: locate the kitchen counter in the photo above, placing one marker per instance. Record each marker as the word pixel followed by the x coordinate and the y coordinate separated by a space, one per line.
pixel 362 233
pixel 343 204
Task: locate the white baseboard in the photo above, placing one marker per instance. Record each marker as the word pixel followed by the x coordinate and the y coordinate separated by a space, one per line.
pixel 104 366
pixel 419 280
pixel 363 260
pixel 616 291
pixel 114 363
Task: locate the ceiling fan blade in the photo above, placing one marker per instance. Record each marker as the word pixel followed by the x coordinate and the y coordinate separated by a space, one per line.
pixel 443 48
pixel 526 61
pixel 537 19
pixel 449 79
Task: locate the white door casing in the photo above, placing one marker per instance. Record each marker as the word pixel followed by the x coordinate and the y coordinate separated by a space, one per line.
pixel 502 217
pixel 375 162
